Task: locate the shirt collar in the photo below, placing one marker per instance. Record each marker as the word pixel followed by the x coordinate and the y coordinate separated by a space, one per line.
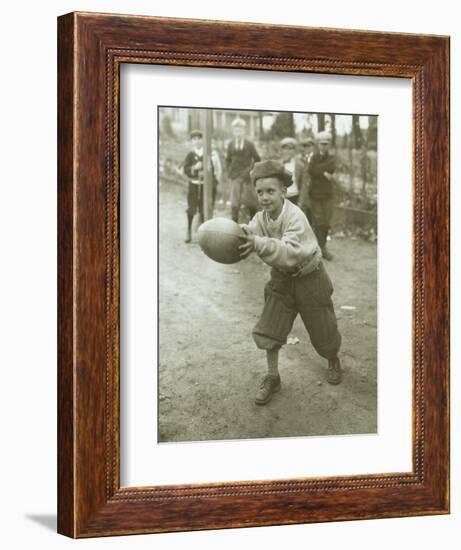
pixel 278 218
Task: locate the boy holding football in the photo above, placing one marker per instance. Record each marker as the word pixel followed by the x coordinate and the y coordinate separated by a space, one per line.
pixel 282 237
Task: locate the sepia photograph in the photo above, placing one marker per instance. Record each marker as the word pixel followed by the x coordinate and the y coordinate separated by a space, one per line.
pixel 267 274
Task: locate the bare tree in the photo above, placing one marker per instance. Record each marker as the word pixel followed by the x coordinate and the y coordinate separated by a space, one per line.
pixel 320 122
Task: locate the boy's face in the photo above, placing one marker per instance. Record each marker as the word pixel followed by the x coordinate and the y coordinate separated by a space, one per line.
pixel 308 148
pixel 323 147
pixel 271 193
pixel 197 142
pixel 238 131
pixel 288 153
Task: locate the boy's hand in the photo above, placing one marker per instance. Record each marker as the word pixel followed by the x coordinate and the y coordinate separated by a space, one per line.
pixel 249 245
pixel 328 176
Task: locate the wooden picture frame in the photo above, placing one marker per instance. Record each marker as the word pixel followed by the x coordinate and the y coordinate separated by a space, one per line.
pixel 92 48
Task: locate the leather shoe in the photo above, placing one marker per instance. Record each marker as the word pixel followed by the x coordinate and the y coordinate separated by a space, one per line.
pixel 334 374
pixel 269 385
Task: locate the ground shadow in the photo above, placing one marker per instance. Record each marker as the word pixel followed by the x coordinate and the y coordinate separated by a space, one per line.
pixel 49 521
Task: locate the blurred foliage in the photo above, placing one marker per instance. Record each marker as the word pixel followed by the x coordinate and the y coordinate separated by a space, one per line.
pixel 283 126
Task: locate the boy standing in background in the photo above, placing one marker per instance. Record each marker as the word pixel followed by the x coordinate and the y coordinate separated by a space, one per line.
pixel 193 168
pixel 240 158
pixel 293 166
pixel 305 156
pixel 321 191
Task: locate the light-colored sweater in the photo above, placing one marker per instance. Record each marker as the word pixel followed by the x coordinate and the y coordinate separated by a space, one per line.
pixel 287 243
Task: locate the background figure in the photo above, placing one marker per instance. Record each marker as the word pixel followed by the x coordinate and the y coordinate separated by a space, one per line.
pixel 193 169
pixel 293 166
pixel 217 168
pixel 306 153
pixel 216 160
pixel 321 191
pixel 241 156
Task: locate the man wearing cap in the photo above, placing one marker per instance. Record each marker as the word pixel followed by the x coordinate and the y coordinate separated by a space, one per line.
pixel 193 168
pixel 293 166
pixel 321 190
pixel 305 156
pixel 240 158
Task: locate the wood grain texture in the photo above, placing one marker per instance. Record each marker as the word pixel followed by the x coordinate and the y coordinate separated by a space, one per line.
pixel 91 49
pixel 66 471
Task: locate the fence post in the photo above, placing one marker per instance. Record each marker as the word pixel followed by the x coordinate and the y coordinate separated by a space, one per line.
pixel 207 196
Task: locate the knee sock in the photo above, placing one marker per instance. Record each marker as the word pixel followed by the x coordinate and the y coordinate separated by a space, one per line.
pixel 189 228
pixel 272 362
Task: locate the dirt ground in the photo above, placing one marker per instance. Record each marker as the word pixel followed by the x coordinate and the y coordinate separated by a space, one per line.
pixel 210 367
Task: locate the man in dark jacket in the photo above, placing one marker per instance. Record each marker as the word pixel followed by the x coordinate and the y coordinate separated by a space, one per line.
pixel 240 158
pixel 307 147
pixel 321 190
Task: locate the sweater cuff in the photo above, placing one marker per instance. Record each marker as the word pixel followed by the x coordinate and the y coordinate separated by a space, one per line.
pixel 258 244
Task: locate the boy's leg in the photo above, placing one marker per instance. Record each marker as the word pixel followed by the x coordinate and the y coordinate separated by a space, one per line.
pixel 316 211
pixel 272 329
pixel 214 192
pixel 327 216
pixel 188 238
pixel 201 206
pixel 321 211
pixel 249 198
pixel 271 382
pixel 236 195
pixel 313 298
pixel 272 356
pixel 191 209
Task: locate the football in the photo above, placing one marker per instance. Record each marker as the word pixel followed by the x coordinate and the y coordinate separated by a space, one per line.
pixel 220 238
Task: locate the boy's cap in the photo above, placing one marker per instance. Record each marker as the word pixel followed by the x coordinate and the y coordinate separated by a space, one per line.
pixel 307 141
pixel 324 137
pixel 289 142
pixel 238 122
pixel 196 133
pixel 270 169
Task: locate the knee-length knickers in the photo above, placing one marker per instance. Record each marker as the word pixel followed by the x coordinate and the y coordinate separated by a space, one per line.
pixel 310 296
